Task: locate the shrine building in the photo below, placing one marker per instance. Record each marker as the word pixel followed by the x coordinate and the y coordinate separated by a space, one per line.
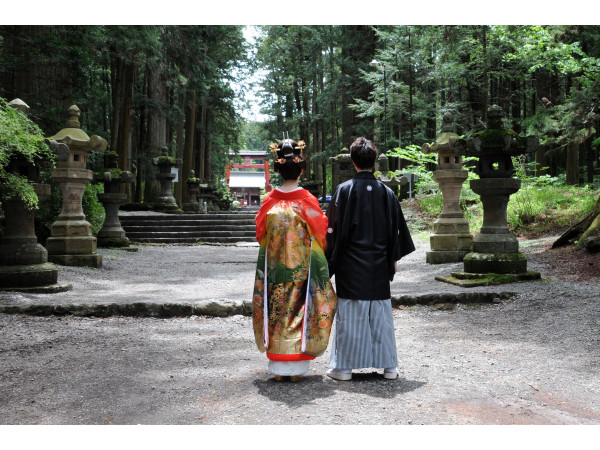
pixel 247 178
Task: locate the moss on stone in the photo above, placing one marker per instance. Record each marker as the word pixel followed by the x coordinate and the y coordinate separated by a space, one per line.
pixel 493 137
pixel 165 160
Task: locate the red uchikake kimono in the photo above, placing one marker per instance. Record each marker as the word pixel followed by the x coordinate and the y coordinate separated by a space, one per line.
pixel 293 308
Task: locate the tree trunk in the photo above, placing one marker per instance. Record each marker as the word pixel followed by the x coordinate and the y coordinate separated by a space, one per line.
pixel 589 160
pixel 572 168
pixel 201 160
pixel 179 144
pixel 116 75
pixel 157 123
pixel 485 87
pixel 586 232
pixel 541 161
pixel 410 99
pixel 207 157
pixel 124 135
pixel 190 126
pixel 142 145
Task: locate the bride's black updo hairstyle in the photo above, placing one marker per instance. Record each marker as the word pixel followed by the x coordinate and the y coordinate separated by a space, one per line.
pixel 289 161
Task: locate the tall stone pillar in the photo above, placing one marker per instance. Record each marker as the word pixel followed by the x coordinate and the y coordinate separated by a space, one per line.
pixel 71 242
pixel 24 262
pixel 451 240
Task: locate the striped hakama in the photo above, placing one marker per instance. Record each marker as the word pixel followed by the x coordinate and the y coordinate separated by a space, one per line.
pixel 364 335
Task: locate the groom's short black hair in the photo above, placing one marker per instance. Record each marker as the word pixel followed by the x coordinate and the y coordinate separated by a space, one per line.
pixel 363 153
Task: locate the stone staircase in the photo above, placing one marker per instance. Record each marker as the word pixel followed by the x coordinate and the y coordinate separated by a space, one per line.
pixel 158 228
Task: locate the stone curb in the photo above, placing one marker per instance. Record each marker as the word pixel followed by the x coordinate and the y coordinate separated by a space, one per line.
pixel 224 308
pixel 463 297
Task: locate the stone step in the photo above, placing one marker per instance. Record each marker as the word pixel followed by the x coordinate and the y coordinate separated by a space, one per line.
pixel 138 228
pixel 164 234
pixel 225 227
pixel 187 223
pixel 180 240
pixel 187 217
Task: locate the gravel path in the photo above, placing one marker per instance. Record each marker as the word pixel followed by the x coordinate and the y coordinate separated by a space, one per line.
pixel 531 360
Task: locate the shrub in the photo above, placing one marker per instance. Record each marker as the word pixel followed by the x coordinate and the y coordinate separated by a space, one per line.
pixel 19 137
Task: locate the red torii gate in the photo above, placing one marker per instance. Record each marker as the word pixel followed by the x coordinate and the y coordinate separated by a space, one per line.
pixel 247 165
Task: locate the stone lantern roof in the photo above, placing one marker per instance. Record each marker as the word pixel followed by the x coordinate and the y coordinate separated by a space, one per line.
pixel 19 104
pixel 449 154
pixel 495 145
pixel 445 141
pixel 74 136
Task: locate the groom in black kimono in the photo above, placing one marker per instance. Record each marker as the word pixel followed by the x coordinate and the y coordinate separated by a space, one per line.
pixel 367 234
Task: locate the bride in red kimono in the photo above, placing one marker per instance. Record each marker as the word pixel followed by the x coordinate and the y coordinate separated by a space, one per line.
pixel 294 303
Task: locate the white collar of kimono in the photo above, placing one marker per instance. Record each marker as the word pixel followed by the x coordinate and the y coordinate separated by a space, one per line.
pixel 287 192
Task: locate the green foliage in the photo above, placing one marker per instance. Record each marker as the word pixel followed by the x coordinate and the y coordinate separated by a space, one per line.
pixel 422 166
pixel 20 138
pixel 92 208
pixel 546 202
pixel 255 136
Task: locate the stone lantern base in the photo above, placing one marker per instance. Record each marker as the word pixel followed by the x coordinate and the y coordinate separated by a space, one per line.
pixel 165 202
pixel 24 263
pixel 191 207
pixel 501 263
pixel 495 258
pixel 112 233
pixel 35 278
pixel 451 241
pixel 73 250
pixel 78 260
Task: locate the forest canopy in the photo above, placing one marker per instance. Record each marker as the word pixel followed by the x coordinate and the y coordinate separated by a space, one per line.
pixel 146 88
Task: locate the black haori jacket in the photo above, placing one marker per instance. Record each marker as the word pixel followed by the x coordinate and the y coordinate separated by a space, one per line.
pixel 367 234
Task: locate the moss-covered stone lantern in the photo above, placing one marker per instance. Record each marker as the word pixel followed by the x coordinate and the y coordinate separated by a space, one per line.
pixel 342 168
pixel 71 242
pixel 451 240
pixel 24 262
pixel 192 184
pixel 112 233
pixel 165 201
pixel 495 249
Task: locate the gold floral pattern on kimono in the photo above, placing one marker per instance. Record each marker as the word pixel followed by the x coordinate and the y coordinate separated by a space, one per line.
pixel 287 244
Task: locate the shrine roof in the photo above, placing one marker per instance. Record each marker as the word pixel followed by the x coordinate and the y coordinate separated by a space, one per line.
pixel 256 153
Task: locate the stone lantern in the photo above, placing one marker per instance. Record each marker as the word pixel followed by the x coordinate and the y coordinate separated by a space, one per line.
pixel 495 250
pixel 342 168
pixel 71 242
pixel 390 179
pixel 207 197
pixel 313 186
pixel 112 233
pixel 192 184
pixel 24 262
pixel 165 201
pixel 451 240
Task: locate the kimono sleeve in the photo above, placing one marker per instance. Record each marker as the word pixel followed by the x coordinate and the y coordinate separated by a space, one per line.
pixel 332 233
